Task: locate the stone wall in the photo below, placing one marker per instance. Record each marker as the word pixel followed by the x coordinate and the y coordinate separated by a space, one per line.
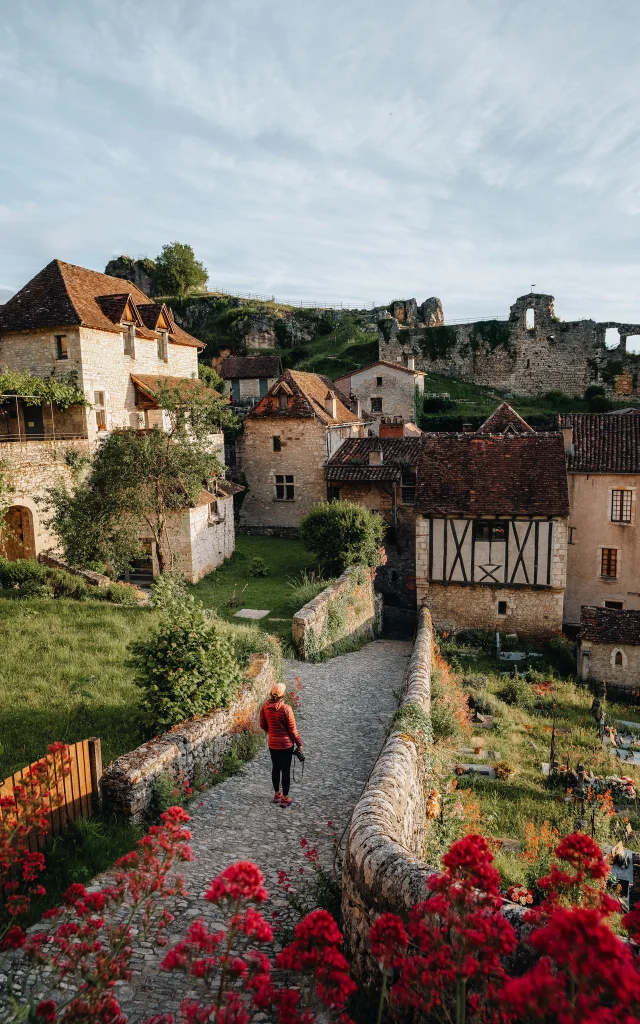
pixel 383 869
pixel 349 607
pixel 199 541
pixel 397 391
pixel 510 355
pixel 195 747
pixel 597 663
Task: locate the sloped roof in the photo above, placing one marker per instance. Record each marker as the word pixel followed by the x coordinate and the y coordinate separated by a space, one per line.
pixel 480 474
pixel 151 383
pixel 603 442
pixel 610 625
pixel 63 295
pixel 250 367
pixel 308 392
pixel 505 418
pixel 396 452
pixel 382 362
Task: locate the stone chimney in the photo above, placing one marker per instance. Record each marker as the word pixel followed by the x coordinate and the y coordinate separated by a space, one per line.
pixel 375 457
pixel 567 433
pixel 357 408
pixel 411 362
pixel 331 404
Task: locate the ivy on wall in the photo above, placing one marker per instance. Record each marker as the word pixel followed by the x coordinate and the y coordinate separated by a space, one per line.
pixel 62 391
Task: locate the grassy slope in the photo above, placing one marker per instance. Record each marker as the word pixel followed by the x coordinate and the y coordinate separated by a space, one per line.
pixel 285 559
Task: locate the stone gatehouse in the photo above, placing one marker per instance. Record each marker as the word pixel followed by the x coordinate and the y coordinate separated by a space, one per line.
pixel 529 352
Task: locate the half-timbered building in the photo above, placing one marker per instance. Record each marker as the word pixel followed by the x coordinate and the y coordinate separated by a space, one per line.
pixel 491 529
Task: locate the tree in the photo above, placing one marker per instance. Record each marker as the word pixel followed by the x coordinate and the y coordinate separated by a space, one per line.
pixel 177 271
pixel 141 478
pixel 210 377
pixel 341 533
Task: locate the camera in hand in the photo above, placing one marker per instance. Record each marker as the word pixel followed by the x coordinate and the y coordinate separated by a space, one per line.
pixel 298 753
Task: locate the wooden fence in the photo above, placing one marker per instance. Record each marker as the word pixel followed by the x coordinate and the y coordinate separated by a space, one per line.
pixel 73 795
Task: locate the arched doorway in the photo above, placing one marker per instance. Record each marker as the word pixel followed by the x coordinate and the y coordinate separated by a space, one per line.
pixel 18 538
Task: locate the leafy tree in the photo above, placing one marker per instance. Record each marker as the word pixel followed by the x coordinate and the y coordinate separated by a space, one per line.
pixel 210 377
pixel 341 533
pixel 140 478
pixel 177 271
pixel 186 666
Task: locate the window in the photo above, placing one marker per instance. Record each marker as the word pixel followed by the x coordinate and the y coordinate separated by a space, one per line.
pixel 621 506
pixel 235 389
pixel 61 347
pixel 617 605
pixel 618 658
pixel 277 447
pixel 376 405
pixel 530 319
pixel 284 488
pixel 264 386
pixel 283 401
pixel 485 531
pixel 502 607
pixel 101 412
pixel 609 563
pixel 378 382
pixel 572 530
pixel 408 486
pixel 611 338
pixel 130 340
pixel 333 493
pixel 163 346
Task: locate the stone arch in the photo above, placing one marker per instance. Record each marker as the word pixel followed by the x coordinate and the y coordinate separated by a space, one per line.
pixel 18 540
pixel 618 658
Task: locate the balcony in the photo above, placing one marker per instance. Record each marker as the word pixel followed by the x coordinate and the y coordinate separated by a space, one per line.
pixel 21 422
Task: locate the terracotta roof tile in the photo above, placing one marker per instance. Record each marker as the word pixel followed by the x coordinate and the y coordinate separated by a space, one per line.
pixel 250 367
pixel 351 461
pixel 381 362
pixel 63 295
pixel 504 419
pixel 603 442
pixel 150 384
pixel 610 625
pixel 503 475
pixel 308 392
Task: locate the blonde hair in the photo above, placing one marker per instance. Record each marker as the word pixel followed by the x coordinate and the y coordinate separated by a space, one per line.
pixel 278 690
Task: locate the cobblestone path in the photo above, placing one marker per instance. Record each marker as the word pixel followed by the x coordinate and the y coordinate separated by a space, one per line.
pixel 346 704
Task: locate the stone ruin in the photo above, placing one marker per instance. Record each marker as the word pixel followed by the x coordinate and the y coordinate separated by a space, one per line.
pixel 529 352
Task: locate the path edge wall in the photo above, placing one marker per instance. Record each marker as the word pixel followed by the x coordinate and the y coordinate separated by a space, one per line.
pixel 196 745
pixel 350 607
pixel 383 869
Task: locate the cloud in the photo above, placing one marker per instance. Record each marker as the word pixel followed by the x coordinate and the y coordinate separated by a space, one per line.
pixel 331 151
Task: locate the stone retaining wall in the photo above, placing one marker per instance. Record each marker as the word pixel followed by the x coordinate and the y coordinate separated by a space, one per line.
pixel 196 746
pixel 346 608
pixel 383 868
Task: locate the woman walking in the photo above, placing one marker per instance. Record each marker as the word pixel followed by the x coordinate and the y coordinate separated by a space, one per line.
pixel 277 720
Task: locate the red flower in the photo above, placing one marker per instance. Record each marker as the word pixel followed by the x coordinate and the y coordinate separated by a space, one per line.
pixel 46 1011
pixel 240 881
pixel 583 854
pixel 388 940
pixel 14 938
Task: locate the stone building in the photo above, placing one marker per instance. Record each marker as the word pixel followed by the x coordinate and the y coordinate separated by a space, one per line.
pixel 386 390
pixel 609 647
pixel 603 551
pixel 248 378
pixel 380 473
pixel 529 352
pixel 491 530
pixel 122 348
pixel 288 438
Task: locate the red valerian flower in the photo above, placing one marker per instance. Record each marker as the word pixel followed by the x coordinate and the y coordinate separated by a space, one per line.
pixel 240 881
pixel 583 854
pixel 388 940
pixel 315 952
pixel 14 938
pixel 46 1011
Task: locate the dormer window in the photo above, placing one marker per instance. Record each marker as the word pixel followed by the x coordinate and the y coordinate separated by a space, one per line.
pixel 163 346
pixel 283 401
pixel 130 340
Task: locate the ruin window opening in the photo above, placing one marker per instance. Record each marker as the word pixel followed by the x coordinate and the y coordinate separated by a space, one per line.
pixel 633 344
pixel 611 338
pixel 618 658
pixel 530 319
pixel 528 363
pixel 277 446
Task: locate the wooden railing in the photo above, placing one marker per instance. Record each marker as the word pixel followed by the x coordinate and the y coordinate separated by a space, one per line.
pixel 72 795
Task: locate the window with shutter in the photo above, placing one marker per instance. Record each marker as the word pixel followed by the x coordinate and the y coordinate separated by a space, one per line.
pixel 609 563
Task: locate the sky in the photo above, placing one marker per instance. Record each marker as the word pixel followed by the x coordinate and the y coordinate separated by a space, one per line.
pixel 331 151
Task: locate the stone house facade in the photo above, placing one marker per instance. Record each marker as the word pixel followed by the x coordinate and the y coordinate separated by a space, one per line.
pixel 609 647
pixel 603 550
pixel 287 440
pixel 529 352
pixel 248 378
pixel 380 473
pixel 122 348
pixel 491 530
pixel 385 389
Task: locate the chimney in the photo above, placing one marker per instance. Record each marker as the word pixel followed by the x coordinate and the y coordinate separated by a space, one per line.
pixel 331 404
pixel 375 457
pixel 569 447
pixel 467 428
pixel 357 408
pixel 411 362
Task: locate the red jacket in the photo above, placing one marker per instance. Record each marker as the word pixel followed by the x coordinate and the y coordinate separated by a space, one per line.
pixel 276 718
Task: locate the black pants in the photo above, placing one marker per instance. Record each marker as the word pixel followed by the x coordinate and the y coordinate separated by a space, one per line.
pixel 281 762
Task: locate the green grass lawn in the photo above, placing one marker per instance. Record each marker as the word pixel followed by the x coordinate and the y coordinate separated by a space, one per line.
pixel 286 560
pixel 63 676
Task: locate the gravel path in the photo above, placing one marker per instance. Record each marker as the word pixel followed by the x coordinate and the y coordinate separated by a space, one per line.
pixel 345 707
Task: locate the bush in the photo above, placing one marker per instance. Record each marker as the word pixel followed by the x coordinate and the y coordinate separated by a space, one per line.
pixel 117 593
pixel 517 692
pixel 25 575
pixel 556 399
pixel 258 567
pixel 600 403
pixel 438 403
pixel 186 666
pixel 341 534
pixel 562 652
pixel 593 391
pixel 485 702
pixel 65 584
